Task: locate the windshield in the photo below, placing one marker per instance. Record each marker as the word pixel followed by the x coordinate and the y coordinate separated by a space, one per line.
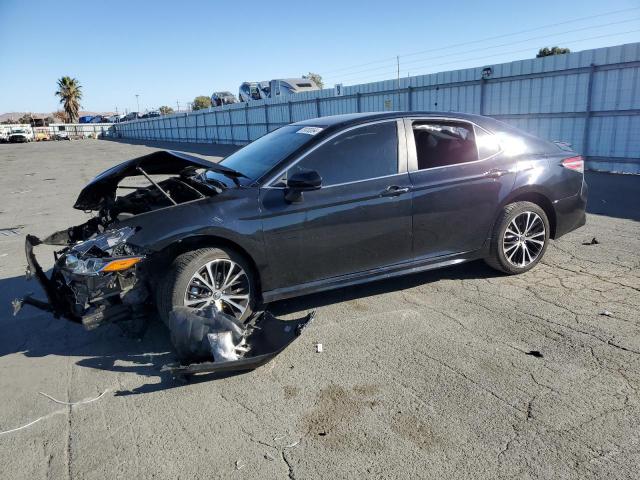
pixel 262 155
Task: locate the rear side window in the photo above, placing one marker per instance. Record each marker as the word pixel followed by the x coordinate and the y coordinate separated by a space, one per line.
pixel 488 144
pixel 439 144
pixel 359 154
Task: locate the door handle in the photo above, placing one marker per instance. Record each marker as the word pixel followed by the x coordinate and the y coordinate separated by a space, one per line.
pixel 495 173
pixel 394 191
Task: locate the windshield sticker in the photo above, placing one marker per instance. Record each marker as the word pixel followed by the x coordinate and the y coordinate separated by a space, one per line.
pixel 310 130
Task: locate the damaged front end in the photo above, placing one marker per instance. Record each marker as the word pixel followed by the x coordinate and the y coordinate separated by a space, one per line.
pixel 94 281
pixel 98 275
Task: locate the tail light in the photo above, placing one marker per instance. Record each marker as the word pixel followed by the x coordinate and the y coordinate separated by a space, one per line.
pixel 574 163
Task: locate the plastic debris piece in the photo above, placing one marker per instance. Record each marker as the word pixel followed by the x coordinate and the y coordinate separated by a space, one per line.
pixel 594 241
pixel 269 457
pixel 606 313
pixel 222 347
pixel 293 444
pixel 239 466
pixel 318 347
pixel 534 353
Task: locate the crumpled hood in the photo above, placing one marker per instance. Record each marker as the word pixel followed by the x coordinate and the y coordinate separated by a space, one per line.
pixel 163 162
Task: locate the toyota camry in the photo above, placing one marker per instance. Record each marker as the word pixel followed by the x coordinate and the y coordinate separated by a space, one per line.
pixel 315 205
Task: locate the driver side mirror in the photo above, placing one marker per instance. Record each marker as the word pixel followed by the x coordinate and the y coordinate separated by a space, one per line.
pixel 304 181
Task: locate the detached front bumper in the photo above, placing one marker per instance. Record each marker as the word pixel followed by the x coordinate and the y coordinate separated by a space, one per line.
pixel 88 299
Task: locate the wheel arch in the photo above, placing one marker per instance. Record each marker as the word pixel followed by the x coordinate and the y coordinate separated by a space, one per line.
pixel 534 196
pixel 194 242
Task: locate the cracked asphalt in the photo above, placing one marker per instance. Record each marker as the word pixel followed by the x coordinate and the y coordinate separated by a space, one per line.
pixel 449 374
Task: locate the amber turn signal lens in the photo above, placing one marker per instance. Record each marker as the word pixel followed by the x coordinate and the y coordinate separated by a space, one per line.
pixel 120 264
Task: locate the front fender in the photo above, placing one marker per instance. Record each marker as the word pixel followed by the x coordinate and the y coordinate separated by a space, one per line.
pixel 235 219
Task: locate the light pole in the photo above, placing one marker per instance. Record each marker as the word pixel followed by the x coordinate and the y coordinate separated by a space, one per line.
pixel 138 102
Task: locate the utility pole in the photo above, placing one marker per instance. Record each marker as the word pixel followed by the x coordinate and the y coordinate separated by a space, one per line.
pixel 177 106
pixel 138 102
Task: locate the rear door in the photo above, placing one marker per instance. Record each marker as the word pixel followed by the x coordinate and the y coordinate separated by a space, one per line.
pixel 459 178
pixel 358 220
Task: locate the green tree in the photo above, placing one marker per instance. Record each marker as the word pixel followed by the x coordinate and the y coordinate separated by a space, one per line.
pixel 316 77
pixel 200 103
pixel 546 51
pixel 25 119
pixel 164 110
pixel 70 93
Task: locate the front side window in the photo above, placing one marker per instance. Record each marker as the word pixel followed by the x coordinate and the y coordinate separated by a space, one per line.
pixel 439 144
pixel 358 154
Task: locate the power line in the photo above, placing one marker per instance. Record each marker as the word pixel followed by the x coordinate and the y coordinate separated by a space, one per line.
pixel 391 73
pixel 411 62
pixel 390 59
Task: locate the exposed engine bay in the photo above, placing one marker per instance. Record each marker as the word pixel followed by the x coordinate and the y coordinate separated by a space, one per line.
pixel 98 277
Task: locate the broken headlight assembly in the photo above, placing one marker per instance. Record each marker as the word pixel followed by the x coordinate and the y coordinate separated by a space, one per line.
pixel 106 252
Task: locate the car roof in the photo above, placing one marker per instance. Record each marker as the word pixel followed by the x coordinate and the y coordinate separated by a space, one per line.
pixel 356 118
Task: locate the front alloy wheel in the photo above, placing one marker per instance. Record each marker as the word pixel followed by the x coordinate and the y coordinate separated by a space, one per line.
pixel 208 276
pixel 222 283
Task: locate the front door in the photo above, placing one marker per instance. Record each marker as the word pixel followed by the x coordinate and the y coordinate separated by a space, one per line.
pixel 358 220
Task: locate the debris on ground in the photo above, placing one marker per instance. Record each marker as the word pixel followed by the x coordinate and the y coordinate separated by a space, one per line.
pixel 606 313
pixel 61 402
pixel 534 353
pixel 318 347
pixel 239 466
pixel 209 341
pixel 594 241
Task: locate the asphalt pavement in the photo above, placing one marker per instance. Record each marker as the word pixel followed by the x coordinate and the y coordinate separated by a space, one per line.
pixel 455 373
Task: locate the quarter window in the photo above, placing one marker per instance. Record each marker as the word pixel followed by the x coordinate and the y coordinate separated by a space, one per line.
pixel 439 144
pixel 359 154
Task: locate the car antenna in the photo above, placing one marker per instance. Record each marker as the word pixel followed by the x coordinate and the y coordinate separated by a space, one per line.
pixel 156 185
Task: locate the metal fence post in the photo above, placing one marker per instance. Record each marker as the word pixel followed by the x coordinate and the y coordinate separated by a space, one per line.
pixel 266 117
pixel 246 120
pixel 231 126
pixel 587 116
pixel 290 109
pixel 483 82
pixel 317 106
pixel 409 98
pixel 358 107
pixel 215 117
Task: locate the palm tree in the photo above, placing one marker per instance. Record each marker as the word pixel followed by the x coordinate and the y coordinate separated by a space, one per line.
pixel 70 93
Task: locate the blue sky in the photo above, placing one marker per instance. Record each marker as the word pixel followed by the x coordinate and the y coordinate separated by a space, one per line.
pixel 169 51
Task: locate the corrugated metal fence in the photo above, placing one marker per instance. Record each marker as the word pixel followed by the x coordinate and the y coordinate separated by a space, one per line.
pixel 590 99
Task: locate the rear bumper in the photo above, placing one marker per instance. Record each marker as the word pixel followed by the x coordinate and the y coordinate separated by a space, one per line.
pixel 571 212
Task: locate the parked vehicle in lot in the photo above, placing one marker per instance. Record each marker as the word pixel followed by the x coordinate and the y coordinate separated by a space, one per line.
pixel 21 135
pixel 315 205
pixel 42 135
pixel 283 86
pixel 60 135
pixel 223 98
pixel 130 116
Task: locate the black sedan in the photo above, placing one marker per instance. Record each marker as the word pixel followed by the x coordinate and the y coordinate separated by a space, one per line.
pixel 314 205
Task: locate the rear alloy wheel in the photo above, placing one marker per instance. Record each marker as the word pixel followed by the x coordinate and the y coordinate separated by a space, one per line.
pixel 519 238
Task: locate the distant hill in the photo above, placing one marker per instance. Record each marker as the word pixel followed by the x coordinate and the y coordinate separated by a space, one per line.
pixel 17 115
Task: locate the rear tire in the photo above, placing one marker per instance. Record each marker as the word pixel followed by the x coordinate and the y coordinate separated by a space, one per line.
pixel 519 239
pixel 182 275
